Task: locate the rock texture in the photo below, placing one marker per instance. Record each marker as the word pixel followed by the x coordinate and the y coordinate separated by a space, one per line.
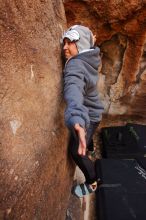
pixel 35 175
pixel 120 27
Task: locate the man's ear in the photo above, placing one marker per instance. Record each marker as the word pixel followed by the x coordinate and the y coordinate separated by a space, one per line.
pixel 94 39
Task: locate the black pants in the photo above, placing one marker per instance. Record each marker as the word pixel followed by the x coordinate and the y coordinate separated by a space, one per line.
pixel 85 164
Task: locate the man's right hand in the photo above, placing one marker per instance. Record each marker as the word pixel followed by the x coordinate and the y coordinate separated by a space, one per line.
pixel 82 139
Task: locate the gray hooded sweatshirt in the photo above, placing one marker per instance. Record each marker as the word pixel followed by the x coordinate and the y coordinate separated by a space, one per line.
pixel 80 89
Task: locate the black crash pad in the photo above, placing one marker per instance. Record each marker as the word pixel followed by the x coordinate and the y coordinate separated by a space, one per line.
pixel 127 141
pixel 121 194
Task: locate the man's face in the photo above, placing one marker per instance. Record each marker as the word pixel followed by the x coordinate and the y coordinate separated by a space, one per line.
pixel 69 48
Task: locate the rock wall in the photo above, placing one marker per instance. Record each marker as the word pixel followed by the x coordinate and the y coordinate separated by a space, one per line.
pixel 120 27
pixel 35 175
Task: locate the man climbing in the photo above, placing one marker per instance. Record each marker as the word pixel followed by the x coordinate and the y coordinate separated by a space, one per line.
pixel 84 109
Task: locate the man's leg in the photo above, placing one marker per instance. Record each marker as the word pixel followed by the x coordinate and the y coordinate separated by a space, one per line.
pixel 85 164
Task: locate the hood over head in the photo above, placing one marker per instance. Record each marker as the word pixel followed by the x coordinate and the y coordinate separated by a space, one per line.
pixel 82 36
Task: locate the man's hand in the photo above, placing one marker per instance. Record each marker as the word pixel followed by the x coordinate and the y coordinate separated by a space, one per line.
pixel 82 139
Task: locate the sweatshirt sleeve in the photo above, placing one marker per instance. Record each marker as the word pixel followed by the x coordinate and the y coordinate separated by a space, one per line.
pixel 74 89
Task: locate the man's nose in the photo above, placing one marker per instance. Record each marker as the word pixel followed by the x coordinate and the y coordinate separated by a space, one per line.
pixel 65 46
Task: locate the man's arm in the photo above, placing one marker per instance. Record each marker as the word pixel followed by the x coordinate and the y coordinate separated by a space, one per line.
pixel 76 114
pixel 74 90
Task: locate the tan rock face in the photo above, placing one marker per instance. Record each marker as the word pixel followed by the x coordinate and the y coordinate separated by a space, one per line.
pixel 35 174
pixel 120 27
